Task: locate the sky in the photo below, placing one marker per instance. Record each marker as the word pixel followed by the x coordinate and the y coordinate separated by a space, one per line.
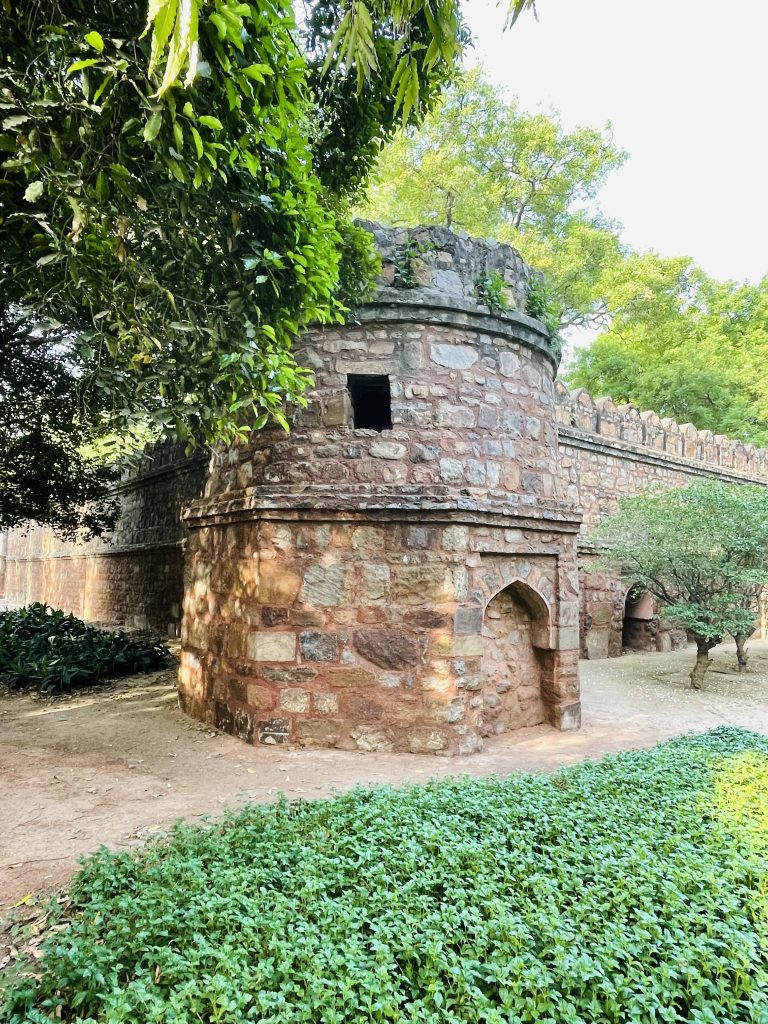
pixel 684 83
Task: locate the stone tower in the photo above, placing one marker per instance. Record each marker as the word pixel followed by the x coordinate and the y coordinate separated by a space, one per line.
pixel 398 572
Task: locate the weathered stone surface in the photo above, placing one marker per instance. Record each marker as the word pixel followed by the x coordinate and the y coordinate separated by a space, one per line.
pixel 294 701
pixel 351 677
pixel 371 738
pixel 272 646
pixel 326 703
pixel 274 616
pixel 456 357
pixel 313 732
pixel 323 585
pixel 388 648
pixel 426 741
pixel 468 620
pixel 273 730
pixel 287 675
pixel 388 450
pixel 316 646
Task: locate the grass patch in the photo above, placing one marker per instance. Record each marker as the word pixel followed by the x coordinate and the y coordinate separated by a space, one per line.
pixel 626 890
pixel 47 650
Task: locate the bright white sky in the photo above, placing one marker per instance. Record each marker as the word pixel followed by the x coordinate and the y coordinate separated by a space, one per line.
pixel 684 84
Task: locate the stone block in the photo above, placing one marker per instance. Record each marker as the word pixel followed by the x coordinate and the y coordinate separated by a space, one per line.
pixel 447 646
pixel 568 718
pixel 468 621
pixel 448 415
pixel 316 646
pixel 273 730
pixel 454 357
pixel 272 646
pixel 387 450
pixel 323 585
pixel 375 582
pixel 509 364
pixel 421 584
pixel 235 721
pixel 387 648
pixel 368 538
pixel 451 471
pixel 359 708
pixel 311 732
pixel 424 453
pixel 372 738
pixel 260 697
pixel 277 584
pixel 326 703
pixel 426 741
pixel 299 674
pixel 350 677
pixel 455 538
pixel 274 616
pixel 294 701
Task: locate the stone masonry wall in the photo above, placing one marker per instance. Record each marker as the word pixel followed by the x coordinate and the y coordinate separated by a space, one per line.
pixel 339 578
pixel 134 576
pixel 411 588
pixel 608 452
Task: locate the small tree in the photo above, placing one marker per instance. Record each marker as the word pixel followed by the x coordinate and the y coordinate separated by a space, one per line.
pixel 701 551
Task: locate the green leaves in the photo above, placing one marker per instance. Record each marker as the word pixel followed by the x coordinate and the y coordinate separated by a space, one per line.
pixel 153 126
pixel 51 652
pixel 94 39
pixel 174 28
pixel 700 550
pixel 683 345
pixel 480 164
pixel 628 891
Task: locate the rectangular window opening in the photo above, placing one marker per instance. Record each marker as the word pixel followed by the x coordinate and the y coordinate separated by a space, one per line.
pixel 371 401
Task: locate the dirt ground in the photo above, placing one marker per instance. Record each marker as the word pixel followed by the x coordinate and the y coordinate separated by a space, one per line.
pixel 114 766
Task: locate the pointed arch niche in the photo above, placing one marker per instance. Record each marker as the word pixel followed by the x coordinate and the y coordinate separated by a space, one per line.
pixel 517 661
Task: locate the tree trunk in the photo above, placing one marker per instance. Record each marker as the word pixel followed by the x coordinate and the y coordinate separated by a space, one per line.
pixel 741 654
pixel 703 647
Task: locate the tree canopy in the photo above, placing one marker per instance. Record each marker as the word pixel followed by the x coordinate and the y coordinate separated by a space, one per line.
pixel 175 190
pixel 481 164
pixel 700 550
pixel 682 344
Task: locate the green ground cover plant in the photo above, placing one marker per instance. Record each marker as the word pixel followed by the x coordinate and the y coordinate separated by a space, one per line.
pixel 47 650
pixel 627 890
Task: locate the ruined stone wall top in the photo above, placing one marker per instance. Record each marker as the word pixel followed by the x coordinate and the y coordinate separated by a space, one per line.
pixel 438 264
pixel 626 425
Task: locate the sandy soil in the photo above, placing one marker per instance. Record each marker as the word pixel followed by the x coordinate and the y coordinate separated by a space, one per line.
pixel 113 766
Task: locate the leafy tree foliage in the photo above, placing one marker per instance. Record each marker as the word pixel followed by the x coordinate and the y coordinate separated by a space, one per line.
pixel 175 189
pixel 481 164
pixel 44 473
pixel 682 344
pixel 701 551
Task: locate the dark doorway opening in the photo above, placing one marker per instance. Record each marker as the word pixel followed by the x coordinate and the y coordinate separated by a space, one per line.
pixel 371 401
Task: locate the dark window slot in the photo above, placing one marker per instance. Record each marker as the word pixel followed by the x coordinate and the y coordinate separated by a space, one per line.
pixel 371 402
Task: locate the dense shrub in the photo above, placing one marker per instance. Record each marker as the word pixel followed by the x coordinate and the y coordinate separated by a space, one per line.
pixel 618 891
pixel 46 650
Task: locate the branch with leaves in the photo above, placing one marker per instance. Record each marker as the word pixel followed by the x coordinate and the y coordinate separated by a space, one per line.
pixel 701 551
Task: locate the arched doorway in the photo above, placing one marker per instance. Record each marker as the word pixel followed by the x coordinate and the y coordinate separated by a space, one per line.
pixel 639 627
pixel 516 662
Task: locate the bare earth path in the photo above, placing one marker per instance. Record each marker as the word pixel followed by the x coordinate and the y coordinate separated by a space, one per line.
pixel 109 768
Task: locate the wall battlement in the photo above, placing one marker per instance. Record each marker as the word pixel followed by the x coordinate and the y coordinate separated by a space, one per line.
pixel 681 441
